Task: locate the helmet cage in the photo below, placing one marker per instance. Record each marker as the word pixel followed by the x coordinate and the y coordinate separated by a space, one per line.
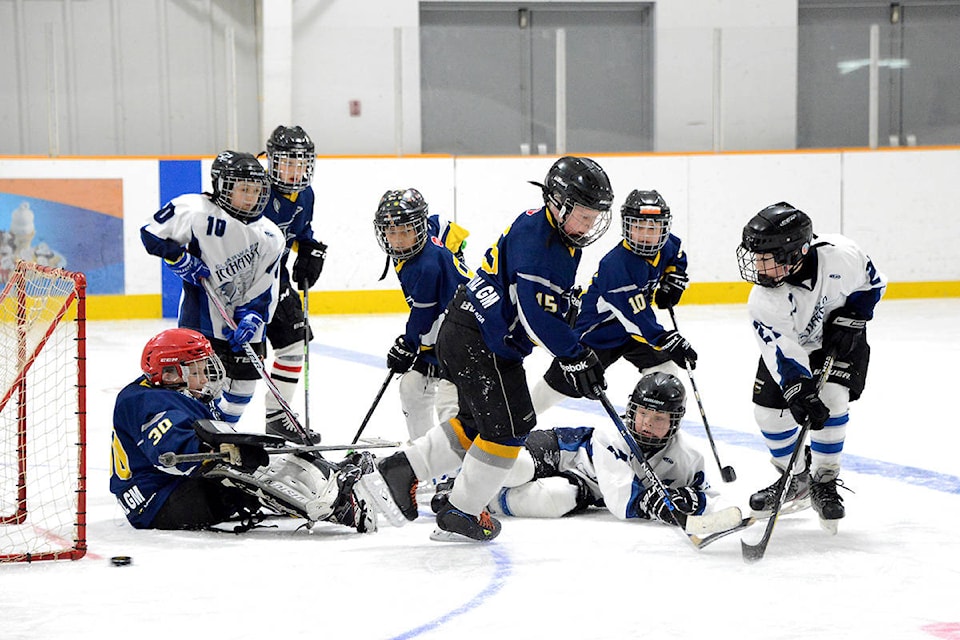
pixel 780 232
pixel 167 359
pixel 286 147
pixel 228 173
pixel 399 211
pixel 645 210
pixel 658 392
pixel 572 181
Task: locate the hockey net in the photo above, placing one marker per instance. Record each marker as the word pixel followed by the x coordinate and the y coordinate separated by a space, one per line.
pixel 42 415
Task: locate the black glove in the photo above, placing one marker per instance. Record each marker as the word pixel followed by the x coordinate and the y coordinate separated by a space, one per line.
pixel 843 332
pixel 679 349
pixel 401 356
pixel 672 286
pixel 309 262
pixel 686 501
pixel 245 449
pixel 584 372
pixel 804 401
pixel 575 302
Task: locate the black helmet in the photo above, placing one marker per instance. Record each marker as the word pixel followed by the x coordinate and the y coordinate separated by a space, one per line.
pixel 401 208
pixel 660 392
pixel 645 210
pixel 572 181
pixel 290 151
pixel 228 170
pixel 781 231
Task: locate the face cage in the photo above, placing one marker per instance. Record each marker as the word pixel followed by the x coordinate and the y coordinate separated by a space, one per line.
pixel 225 190
pixel 296 155
pixel 646 441
pixel 747 262
pixel 419 225
pixel 642 248
pixel 214 372
pixel 600 226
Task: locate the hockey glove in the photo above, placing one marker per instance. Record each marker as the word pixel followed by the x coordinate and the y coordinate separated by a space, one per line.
pixel 401 356
pixel 246 329
pixel 686 501
pixel 309 263
pixel 246 453
pixel 189 267
pixel 672 286
pixel 804 401
pixel 585 373
pixel 843 332
pixel 679 349
pixel 573 310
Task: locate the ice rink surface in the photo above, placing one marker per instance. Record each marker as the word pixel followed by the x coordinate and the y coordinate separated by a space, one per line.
pixel 892 571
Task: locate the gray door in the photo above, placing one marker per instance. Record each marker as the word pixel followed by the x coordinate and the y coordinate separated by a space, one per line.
pixel 919 79
pixel 489 78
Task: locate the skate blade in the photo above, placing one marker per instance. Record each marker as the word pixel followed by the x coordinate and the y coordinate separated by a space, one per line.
pixel 788 507
pixel 830 526
pixel 441 535
pixel 372 489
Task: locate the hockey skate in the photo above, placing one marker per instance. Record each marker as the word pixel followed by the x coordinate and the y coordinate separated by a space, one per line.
pixel 454 525
pixel 401 481
pixel 828 504
pixel 349 509
pixel 279 424
pixel 376 493
pixel 763 502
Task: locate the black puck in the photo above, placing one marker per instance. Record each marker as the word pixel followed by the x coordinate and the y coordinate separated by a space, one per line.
pixel 121 561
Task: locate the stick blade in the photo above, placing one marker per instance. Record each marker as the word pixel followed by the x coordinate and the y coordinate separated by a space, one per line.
pixel 753 552
pixel 707 524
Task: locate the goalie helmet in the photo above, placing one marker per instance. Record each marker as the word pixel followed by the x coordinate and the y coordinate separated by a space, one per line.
pixel 646 222
pixel 290 159
pixel 663 394
pixel 401 223
pixel 240 185
pixel 774 244
pixel 575 181
pixel 183 359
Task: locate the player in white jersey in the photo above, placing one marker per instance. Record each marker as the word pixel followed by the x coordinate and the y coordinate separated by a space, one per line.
pixel 566 470
pixel 224 237
pixel 814 296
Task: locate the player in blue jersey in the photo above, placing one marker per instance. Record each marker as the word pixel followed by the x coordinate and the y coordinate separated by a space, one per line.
pixel 169 410
pixel 224 238
pixel 616 317
pixel 517 299
pixel 566 470
pixel 291 158
pixel 812 296
pixel 429 276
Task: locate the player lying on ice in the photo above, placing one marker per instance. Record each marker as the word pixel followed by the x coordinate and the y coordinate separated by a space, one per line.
pixel 565 470
pixel 170 410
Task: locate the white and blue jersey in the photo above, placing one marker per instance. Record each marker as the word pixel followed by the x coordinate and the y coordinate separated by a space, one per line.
pixel 147 422
pixel 429 281
pixel 617 306
pixel 520 293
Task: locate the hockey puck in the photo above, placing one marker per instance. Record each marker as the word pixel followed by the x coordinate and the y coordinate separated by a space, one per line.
pixel 121 561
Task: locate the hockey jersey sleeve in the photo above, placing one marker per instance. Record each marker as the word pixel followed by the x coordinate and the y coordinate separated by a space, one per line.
pixel 541 306
pixel 169 232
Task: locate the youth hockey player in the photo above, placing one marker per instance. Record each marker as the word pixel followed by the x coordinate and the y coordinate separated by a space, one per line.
pixel 616 317
pixel 429 276
pixel 517 299
pixel 813 296
pixel 291 159
pixel 169 409
pixel 566 470
pixel 225 238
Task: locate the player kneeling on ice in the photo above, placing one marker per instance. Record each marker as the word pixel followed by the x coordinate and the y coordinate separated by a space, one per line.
pixel 566 470
pixel 170 410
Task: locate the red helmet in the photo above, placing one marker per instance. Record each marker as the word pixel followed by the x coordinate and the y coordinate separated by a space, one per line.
pixel 172 350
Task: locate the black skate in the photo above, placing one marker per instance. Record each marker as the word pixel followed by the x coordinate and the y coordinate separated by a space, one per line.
pixel 279 424
pixel 763 502
pixel 350 510
pixel 828 504
pixel 454 525
pixel 402 482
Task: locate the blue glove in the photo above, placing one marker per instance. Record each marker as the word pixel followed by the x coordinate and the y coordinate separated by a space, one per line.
pixel 189 267
pixel 246 329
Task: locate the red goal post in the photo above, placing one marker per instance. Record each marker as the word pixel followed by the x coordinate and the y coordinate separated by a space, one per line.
pixel 42 415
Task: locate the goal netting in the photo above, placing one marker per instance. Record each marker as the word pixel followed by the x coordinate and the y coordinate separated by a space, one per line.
pixel 42 415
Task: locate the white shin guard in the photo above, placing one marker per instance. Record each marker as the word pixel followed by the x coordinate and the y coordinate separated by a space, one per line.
pixel 551 497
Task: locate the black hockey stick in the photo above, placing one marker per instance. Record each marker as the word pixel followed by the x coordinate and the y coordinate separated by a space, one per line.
pixel 305 288
pixel 170 459
pixel 754 552
pixel 376 401
pixel 726 472
pixel 255 360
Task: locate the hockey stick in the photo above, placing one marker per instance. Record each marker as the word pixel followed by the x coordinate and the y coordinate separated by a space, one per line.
pixel 726 472
pixel 754 552
pixel 255 360
pixel 376 401
pixel 170 459
pixel 305 288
